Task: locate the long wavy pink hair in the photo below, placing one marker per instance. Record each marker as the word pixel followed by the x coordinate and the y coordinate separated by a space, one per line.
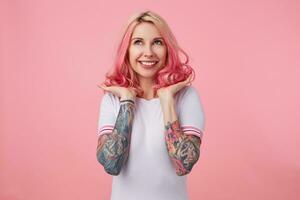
pixel 173 72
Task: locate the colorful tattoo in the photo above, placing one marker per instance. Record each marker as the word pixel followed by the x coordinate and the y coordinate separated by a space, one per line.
pixel 183 149
pixel 113 148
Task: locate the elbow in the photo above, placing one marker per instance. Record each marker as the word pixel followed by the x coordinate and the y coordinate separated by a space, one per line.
pixel 112 171
pixel 109 166
pixel 184 168
pixel 184 172
pixel 181 170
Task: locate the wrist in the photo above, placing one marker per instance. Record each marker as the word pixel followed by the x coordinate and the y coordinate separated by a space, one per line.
pixel 166 99
pixel 127 102
pixel 127 97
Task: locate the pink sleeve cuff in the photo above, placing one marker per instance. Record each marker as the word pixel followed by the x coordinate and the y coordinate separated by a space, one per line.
pixel 105 129
pixel 191 130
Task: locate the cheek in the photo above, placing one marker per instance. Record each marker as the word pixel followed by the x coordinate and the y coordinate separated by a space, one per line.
pixel 161 53
pixel 133 55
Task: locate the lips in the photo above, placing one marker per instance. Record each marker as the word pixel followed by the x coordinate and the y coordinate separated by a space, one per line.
pixel 148 64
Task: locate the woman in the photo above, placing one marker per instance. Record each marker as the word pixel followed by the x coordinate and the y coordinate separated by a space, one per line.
pixel 151 120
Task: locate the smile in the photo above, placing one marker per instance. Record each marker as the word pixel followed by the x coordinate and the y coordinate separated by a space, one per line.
pixel 148 64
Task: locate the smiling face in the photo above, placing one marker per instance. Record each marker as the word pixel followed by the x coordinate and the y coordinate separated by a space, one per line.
pixel 147 51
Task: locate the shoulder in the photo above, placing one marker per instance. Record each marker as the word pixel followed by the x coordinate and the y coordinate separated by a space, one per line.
pixel 186 93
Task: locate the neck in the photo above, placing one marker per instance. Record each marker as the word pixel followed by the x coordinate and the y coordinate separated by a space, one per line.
pixel 147 84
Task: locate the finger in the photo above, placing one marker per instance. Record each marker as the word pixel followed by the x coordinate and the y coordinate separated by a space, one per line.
pixel 100 86
pixel 103 87
pixel 189 78
pixel 186 80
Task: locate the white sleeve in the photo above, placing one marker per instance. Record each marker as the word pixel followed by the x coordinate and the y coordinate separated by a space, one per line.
pixel 107 114
pixel 191 113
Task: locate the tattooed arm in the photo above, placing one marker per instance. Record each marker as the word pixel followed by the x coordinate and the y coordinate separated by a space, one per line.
pixel 183 149
pixel 113 148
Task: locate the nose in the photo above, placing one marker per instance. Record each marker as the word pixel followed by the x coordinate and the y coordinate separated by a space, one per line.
pixel 148 53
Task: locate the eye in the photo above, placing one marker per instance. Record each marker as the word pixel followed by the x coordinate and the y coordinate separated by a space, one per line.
pixel 137 42
pixel 159 42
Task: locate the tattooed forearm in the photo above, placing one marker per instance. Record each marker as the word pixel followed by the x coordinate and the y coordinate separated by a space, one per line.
pixel 184 150
pixel 113 148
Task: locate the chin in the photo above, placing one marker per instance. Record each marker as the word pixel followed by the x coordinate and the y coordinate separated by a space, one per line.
pixel 146 75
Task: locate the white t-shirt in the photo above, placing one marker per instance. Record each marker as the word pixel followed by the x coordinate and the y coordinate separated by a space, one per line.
pixel 148 173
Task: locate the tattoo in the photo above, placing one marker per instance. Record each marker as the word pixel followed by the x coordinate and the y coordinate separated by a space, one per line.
pixel 183 149
pixel 113 148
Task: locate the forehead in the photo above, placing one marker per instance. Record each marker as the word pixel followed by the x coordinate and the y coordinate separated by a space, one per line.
pixel 146 30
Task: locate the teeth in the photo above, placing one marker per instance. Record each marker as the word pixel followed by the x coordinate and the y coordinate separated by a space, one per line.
pixel 148 63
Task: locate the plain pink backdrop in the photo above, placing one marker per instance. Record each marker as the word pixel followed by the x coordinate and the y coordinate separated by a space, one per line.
pixel 53 53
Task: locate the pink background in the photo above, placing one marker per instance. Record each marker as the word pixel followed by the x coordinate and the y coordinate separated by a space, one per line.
pixel 53 53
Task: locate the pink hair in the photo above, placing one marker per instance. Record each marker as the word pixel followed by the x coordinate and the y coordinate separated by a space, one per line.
pixel 173 72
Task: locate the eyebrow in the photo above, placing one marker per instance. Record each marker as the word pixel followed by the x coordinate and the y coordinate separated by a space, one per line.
pixel 142 38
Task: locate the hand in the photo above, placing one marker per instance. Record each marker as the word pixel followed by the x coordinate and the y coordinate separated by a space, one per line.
pixel 171 90
pixel 122 92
